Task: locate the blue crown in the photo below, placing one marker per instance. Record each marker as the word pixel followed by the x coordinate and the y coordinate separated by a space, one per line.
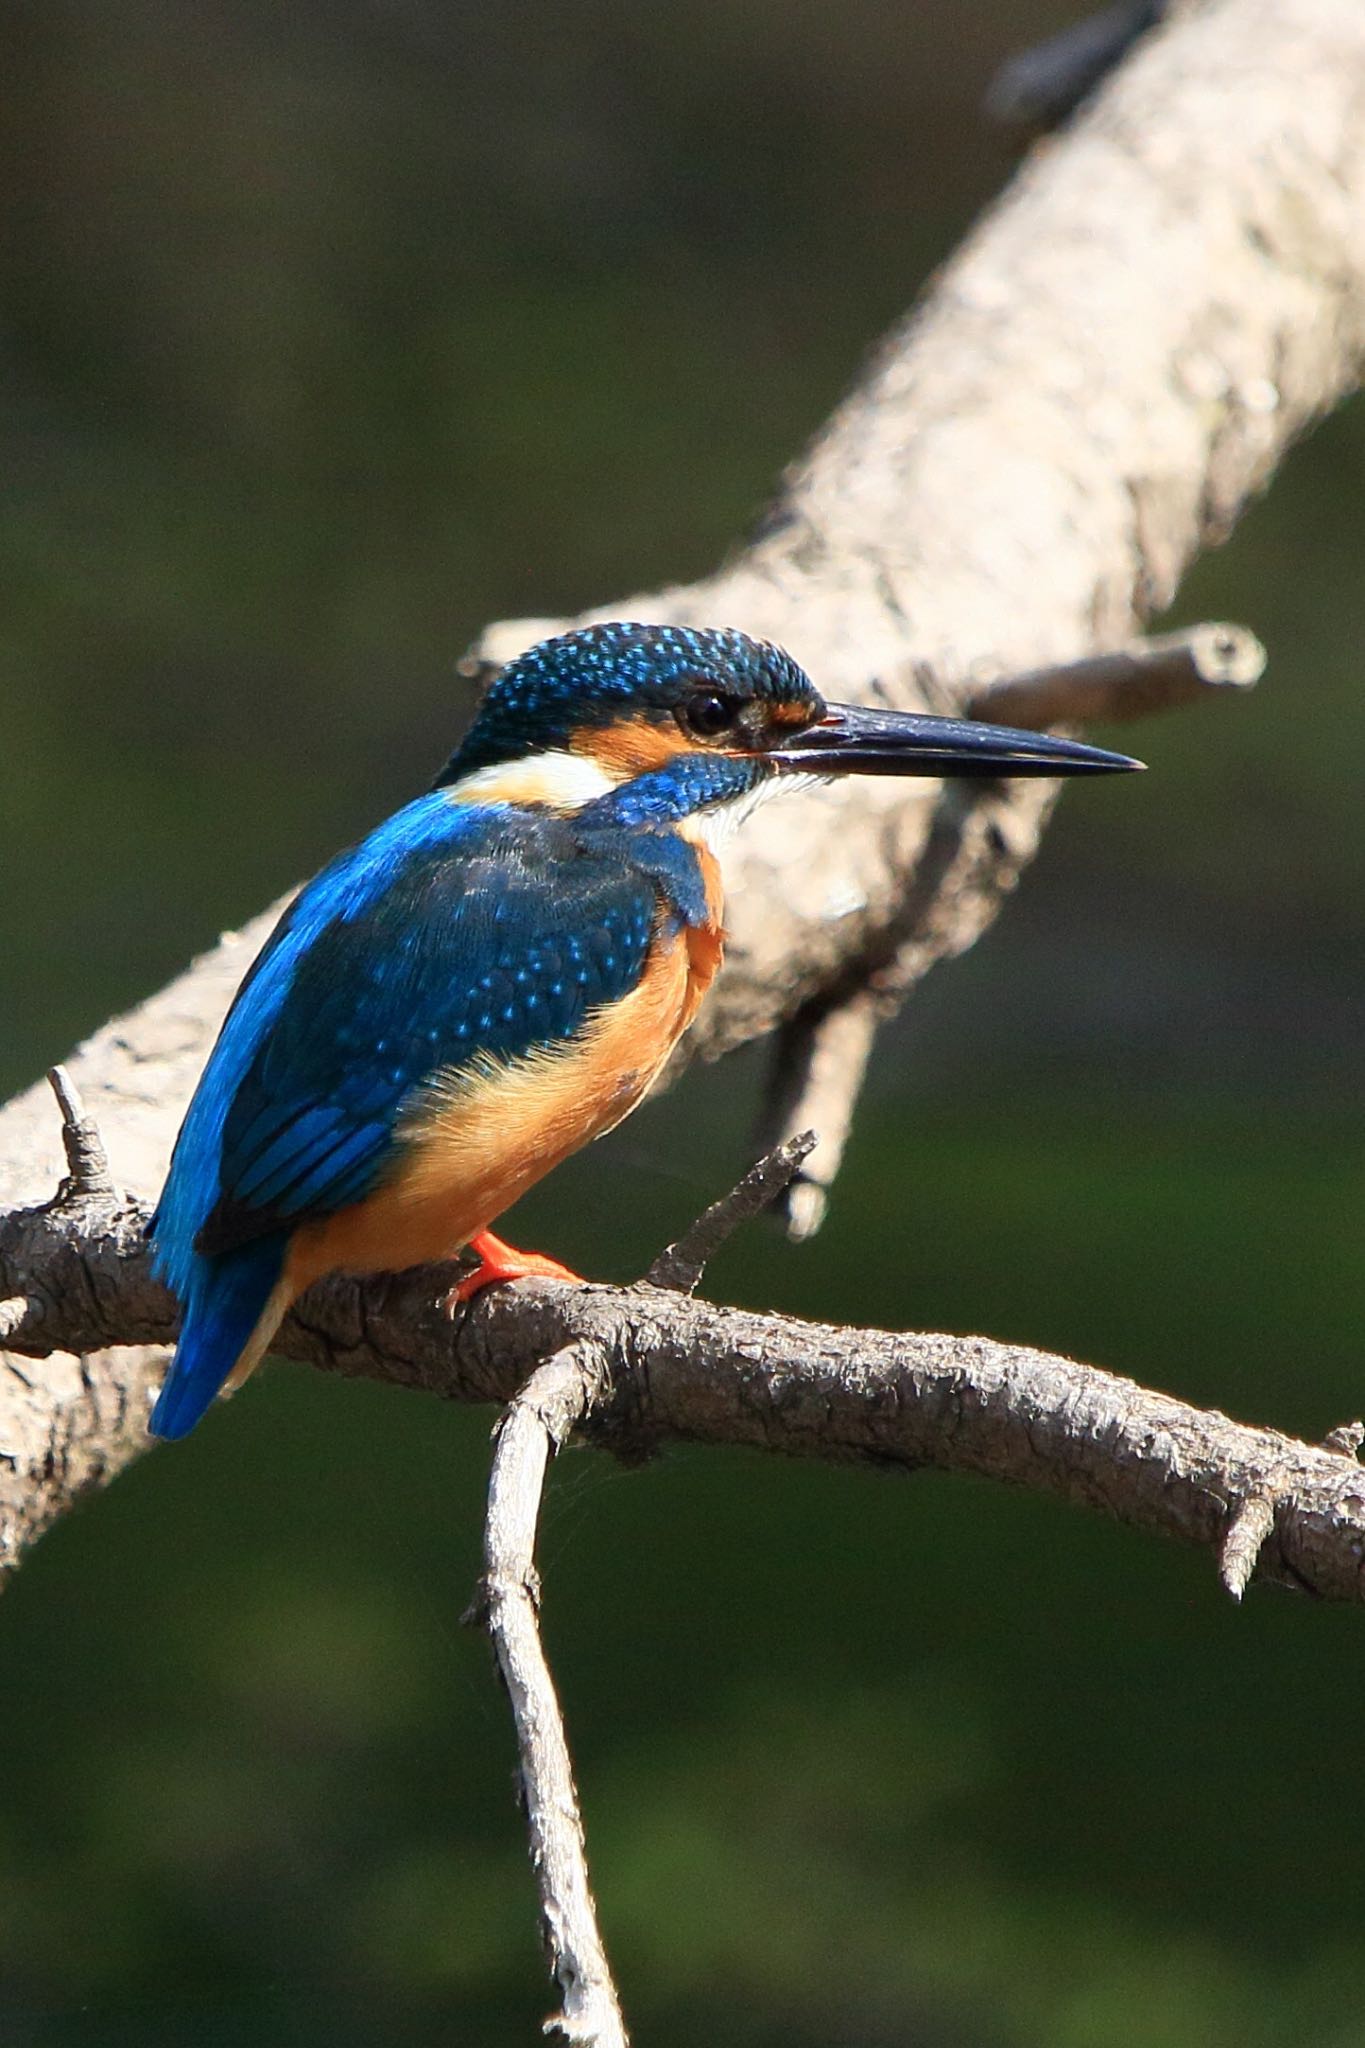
pixel 601 673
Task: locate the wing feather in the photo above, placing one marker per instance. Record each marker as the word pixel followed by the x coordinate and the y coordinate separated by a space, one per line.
pixel 489 944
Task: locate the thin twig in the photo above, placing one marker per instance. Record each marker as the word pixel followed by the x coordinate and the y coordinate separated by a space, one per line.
pixel 535 1425
pixel 1157 674
pixel 1036 89
pixel 86 1160
pixel 679 1267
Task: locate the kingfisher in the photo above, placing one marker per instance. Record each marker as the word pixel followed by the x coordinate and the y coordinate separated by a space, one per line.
pixel 498 972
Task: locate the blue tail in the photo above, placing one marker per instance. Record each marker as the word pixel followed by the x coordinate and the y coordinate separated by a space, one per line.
pixel 224 1302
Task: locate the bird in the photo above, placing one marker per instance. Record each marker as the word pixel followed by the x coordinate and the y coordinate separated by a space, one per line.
pixel 496 973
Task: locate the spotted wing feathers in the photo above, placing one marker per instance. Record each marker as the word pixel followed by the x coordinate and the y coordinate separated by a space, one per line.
pixel 483 949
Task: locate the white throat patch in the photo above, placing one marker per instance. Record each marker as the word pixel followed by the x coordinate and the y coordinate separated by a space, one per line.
pixel 563 781
pixel 714 827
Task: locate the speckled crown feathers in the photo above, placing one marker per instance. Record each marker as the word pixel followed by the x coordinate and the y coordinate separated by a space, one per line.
pixel 597 673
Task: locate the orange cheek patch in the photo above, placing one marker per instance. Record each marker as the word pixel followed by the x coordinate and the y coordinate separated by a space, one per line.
pixel 631 747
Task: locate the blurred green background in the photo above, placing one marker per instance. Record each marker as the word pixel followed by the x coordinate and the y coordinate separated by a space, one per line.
pixel 326 336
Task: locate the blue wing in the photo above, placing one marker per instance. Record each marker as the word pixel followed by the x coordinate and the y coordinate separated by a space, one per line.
pixel 452 935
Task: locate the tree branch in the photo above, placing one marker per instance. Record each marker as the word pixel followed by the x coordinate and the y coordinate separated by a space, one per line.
pixel 1156 674
pixel 686 1371
pixel 536 1424
pixel 634 1368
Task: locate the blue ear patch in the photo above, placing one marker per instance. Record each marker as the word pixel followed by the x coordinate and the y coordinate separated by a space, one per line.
pixel 687 784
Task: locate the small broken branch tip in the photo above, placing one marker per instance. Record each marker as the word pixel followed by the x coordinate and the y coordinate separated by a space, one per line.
pixel 87 1163
pixel 1244 1541
pixel 680 1266
pixel 1159 673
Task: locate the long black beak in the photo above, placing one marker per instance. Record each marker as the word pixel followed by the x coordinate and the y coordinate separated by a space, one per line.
pixel 851 741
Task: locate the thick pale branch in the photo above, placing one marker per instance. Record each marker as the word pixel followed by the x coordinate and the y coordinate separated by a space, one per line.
pixel 1111 364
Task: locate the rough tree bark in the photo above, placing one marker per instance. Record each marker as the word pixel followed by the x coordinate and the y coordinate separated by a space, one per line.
pixel 1113 362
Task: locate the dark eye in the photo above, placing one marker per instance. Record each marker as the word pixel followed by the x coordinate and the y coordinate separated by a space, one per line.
pixel 708 713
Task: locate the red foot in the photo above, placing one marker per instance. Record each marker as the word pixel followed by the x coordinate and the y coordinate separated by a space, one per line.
pixel 499 1262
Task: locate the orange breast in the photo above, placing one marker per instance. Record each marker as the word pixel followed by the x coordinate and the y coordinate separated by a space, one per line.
pixel 481 1138
pixel 706 942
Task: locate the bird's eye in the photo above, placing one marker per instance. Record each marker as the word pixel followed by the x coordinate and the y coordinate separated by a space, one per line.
pixel 709 713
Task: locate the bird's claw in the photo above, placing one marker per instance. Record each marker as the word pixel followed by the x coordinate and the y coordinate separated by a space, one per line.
pixel 500 1262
